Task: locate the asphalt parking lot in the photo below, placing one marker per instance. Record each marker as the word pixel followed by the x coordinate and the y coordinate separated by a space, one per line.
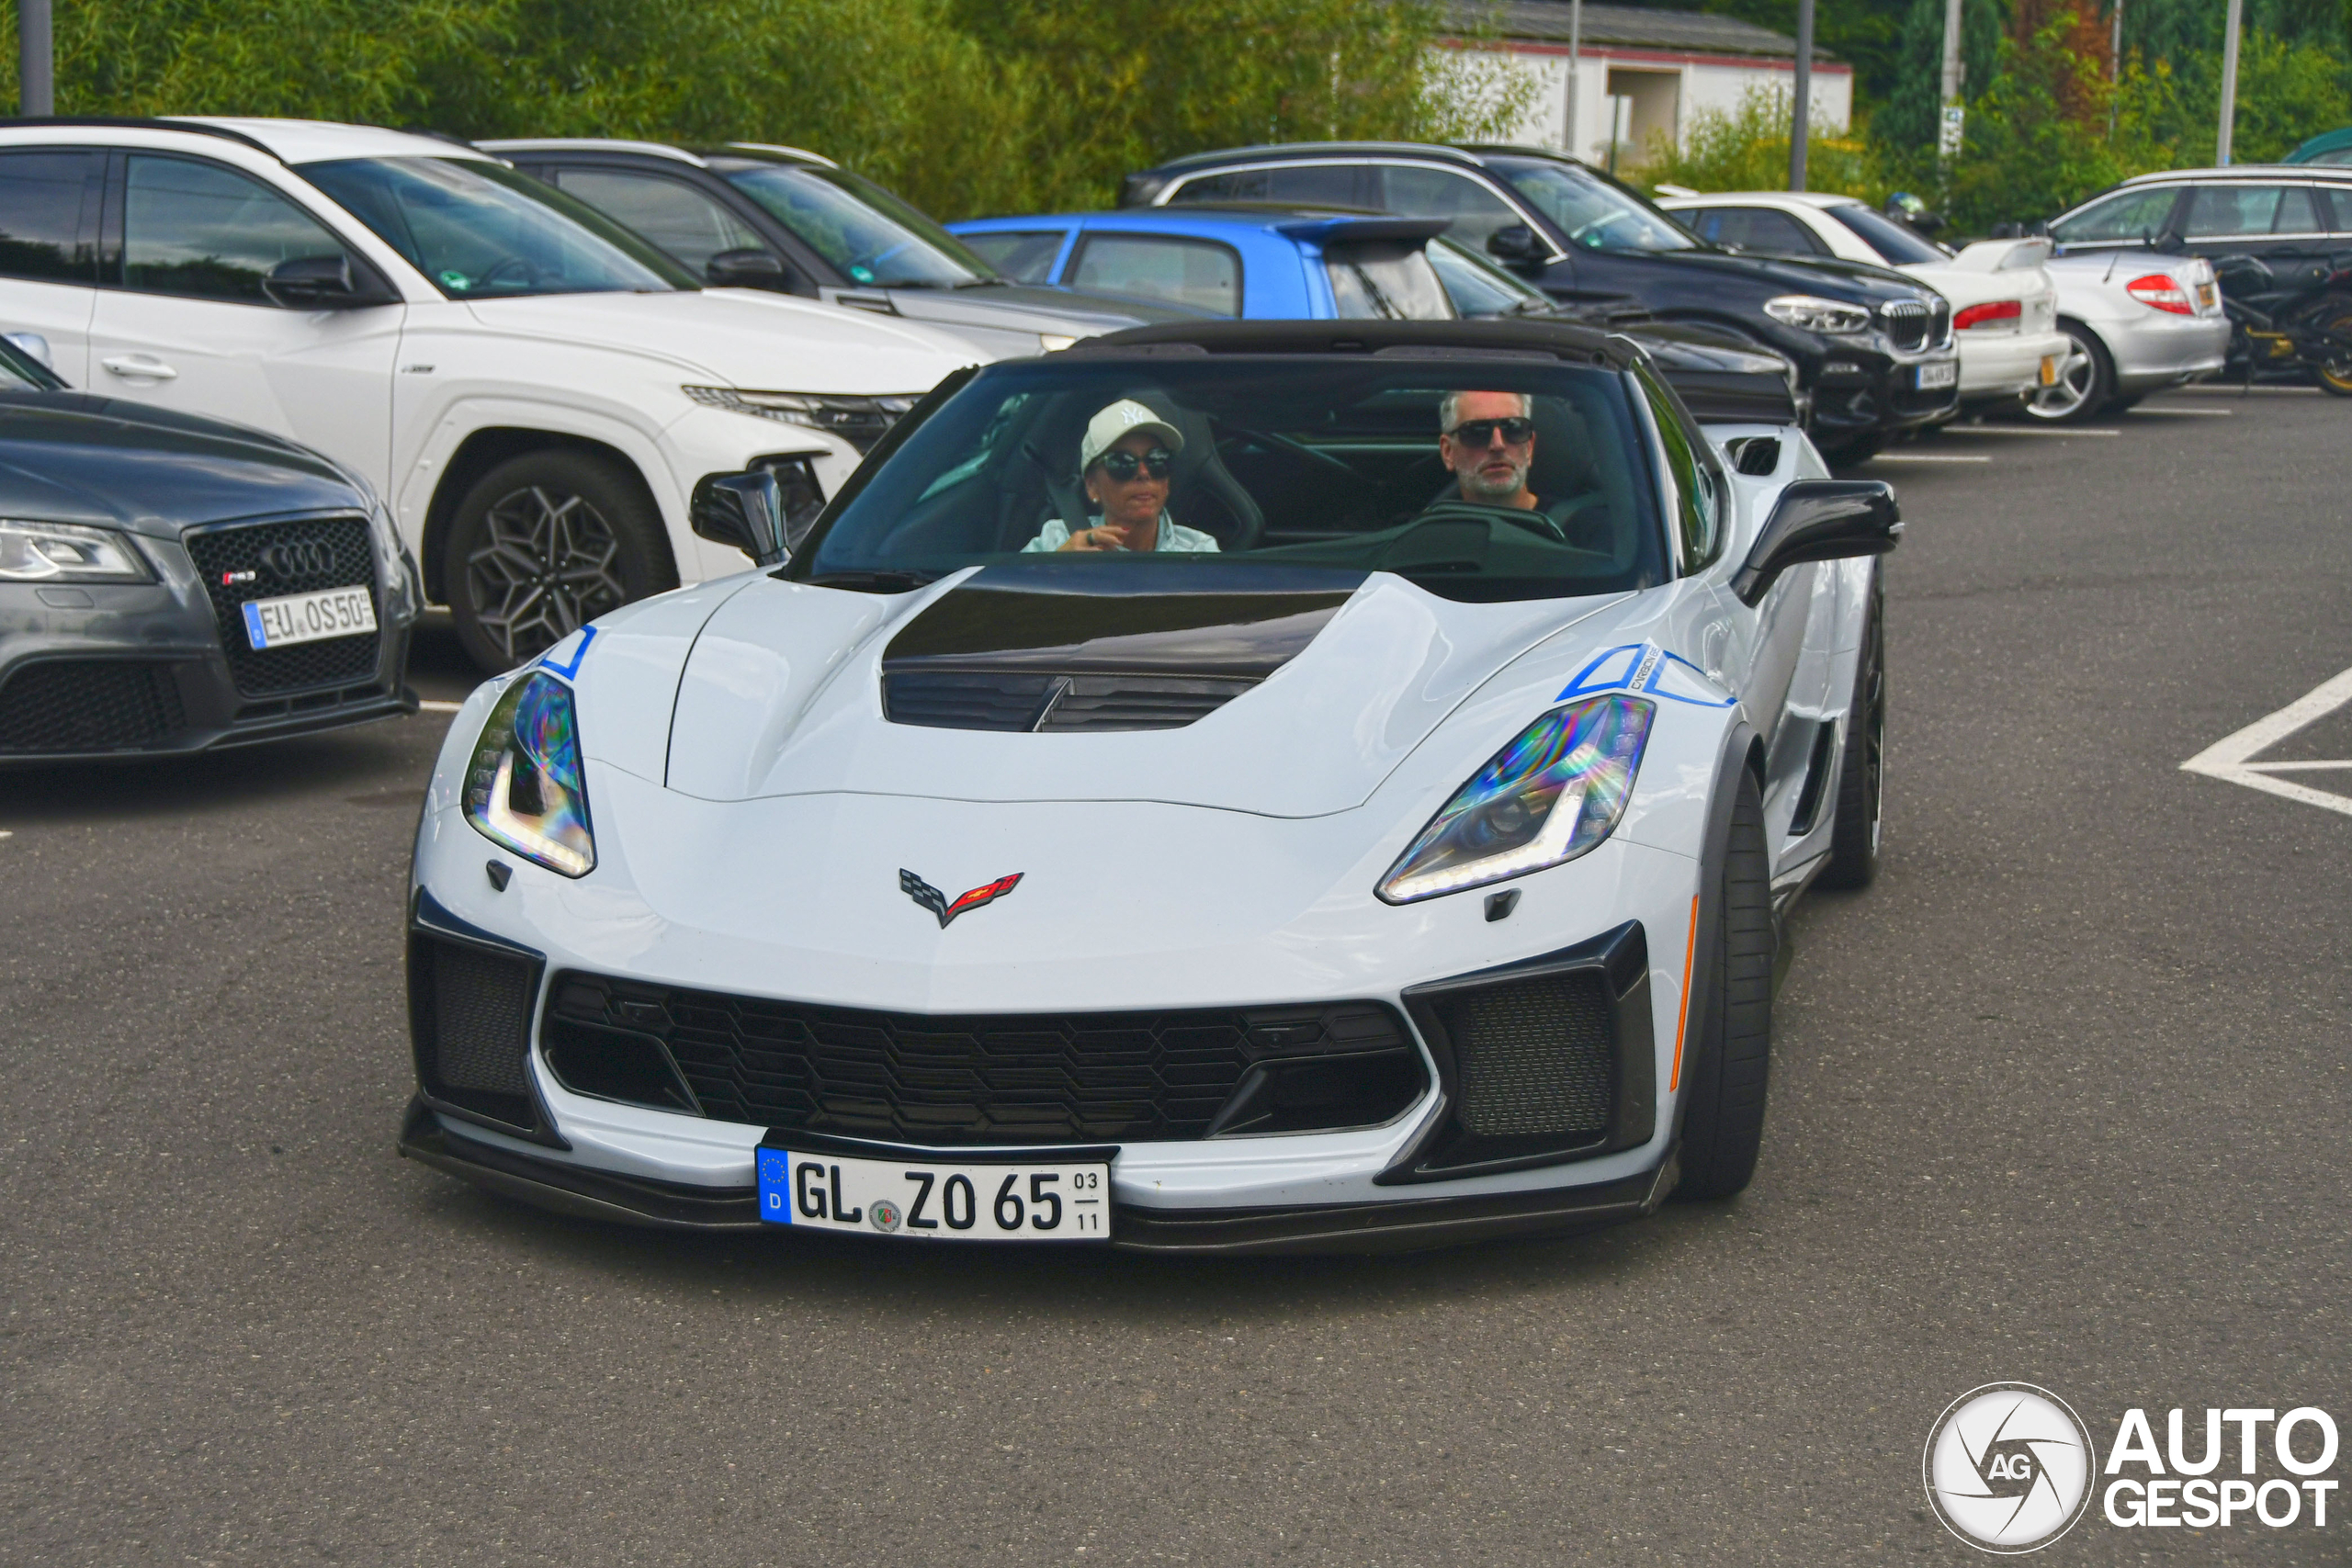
pixel 2063 1100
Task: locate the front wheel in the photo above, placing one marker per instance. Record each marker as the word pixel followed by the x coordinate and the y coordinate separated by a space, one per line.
pixel 2086 381
pixel 1730 1028
pixel 542 545
pixel 2335 373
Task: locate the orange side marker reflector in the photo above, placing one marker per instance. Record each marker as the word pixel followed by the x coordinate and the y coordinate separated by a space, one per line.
pixel 1690 951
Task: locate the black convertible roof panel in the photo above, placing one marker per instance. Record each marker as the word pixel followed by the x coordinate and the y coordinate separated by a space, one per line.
pixel 1583 345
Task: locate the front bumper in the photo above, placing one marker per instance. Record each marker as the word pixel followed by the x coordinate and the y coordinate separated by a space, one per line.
pixel 1863 393
pixel 121 672
pixel 1402 1224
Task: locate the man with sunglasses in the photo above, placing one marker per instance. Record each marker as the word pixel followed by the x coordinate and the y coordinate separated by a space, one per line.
pixel 1125 459
pixel 1487 439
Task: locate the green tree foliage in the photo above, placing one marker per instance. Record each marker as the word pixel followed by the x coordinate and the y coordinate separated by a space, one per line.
pixel 964 105
pixel 1748 150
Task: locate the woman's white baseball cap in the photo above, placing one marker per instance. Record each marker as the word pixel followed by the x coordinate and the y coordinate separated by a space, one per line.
pixel 1124 418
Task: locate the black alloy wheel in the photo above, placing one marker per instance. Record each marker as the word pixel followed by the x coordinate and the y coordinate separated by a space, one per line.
pixel 1729 1064
pixel 544 544
pixel 1861 766
pixel 2086 383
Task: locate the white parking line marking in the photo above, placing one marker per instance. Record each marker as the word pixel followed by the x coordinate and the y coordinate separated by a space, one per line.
pixel 2229 758
pixel 1926 457
pixel 439 707
pixel 2202 414
pixel 2230 390
pixel 6 833
pixel 1948 430
pixel 2291 767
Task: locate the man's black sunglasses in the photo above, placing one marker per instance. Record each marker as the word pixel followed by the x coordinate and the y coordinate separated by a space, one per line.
pixel 1122 464
pixel 1481 432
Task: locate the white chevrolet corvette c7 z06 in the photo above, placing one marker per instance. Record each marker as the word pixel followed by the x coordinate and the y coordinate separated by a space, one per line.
pixel 1242 787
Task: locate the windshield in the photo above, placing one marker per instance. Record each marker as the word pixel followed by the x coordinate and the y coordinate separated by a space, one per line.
pixel 481 231
pixel 871 236
pixel 1478 287
pixel 1595 214
pixel 1274 461
pixel 1898 244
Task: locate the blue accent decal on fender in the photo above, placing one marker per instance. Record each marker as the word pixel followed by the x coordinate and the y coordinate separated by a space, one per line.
pixel 1643 667
pixel 571 670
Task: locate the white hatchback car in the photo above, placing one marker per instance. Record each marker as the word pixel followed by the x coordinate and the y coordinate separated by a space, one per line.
pixel 535 391
pixel 2005 307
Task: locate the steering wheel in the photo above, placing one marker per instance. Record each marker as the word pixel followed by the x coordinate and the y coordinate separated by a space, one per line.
pixel 526 271
pixel 1456 511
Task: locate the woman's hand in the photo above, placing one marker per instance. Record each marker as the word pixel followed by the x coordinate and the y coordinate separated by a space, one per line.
pixel 1092 539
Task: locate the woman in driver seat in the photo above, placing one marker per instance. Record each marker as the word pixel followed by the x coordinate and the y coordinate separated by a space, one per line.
pixel 1126 458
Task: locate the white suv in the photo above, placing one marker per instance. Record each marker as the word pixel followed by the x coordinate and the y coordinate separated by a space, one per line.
pixel 534 389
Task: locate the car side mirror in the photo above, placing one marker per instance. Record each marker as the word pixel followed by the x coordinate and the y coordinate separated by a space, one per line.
pixel 764 512
pixel 1819 519
pixel 1515 245
pixel 321 282
pixel 749 267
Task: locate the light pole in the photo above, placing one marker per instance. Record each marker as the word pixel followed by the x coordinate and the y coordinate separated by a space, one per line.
pixel 2229 87
pixel 1798 125
pixel 1952 114
pixel 36 89
pixel 1576 66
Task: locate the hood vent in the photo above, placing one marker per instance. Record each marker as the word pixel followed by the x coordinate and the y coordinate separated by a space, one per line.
pixel 1051 704
pixel 1061 647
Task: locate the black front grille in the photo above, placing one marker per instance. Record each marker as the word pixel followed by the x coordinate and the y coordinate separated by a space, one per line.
pixel 998 1078
pixel 64 706
pixel 1049 704
pixel 470 1015
pixel 1907 324
pixel 287 558
pixel 1536 1057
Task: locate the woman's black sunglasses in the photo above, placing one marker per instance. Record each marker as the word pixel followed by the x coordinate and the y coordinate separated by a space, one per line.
pixel 1121 466
pixel 1481 432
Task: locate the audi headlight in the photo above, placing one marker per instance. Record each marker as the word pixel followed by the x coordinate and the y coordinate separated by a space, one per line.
pixel 1818 315
pixel 525 789
pixel 1556 792
pixel 67 552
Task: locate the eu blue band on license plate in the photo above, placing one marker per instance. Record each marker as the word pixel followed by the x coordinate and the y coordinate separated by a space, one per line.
pixel 257 634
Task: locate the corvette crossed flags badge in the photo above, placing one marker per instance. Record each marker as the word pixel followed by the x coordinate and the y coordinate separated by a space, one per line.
pixel 932 898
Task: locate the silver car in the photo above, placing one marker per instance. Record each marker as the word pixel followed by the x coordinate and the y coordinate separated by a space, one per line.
pixel 2141 320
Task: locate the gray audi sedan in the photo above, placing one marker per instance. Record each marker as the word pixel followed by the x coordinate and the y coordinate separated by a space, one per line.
pixel 171 584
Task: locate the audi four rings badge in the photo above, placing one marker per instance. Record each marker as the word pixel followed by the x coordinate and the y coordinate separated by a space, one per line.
pixel 932 898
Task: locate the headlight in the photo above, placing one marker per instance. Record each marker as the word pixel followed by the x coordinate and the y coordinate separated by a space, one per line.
pixel 860 420
pixel 65 552
pixel 1554 793
pixel 1818 315
pixel 525 789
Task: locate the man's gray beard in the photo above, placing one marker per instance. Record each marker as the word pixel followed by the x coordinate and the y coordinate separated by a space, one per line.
pixel 1482 488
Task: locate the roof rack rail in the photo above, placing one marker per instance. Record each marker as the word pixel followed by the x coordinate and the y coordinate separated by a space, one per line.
pixel 142 122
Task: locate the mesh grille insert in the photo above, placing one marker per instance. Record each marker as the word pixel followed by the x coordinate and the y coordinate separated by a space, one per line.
pixel 64 706
pixel 287 558
pixel 997 1078
pixel 480 1004
pixel 1536 1056
pixel 1052 703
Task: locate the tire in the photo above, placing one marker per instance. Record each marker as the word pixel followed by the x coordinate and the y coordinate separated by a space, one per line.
pixel 2336 377
pixel 544 544
pixel 1730 1063
pixel 2085 382
pixel 1861 766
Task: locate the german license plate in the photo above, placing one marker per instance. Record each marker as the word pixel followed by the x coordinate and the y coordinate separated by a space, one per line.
pixel 309 617
pixel 1943 373
pixel 936 1201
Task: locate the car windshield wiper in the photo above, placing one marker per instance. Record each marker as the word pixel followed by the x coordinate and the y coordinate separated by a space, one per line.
pixel 875 582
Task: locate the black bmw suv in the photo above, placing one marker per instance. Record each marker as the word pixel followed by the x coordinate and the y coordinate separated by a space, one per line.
pixel 1873 347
